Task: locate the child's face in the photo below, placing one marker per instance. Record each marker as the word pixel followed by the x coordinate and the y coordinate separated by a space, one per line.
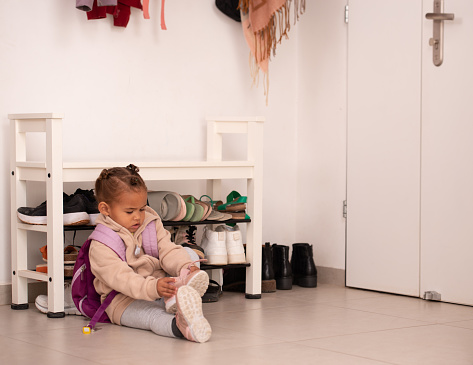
pixel 129 209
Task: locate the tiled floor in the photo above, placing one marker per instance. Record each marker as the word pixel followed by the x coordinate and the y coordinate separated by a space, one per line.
pixel 324 325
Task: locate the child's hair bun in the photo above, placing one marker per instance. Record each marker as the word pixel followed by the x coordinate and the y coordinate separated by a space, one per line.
pixel 104 174
pixel 133 168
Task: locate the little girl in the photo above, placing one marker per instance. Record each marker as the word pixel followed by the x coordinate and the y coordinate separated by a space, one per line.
pixel 150 290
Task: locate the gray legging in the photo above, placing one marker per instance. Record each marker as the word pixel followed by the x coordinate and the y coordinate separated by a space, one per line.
pixel 147 315
pixel 152 316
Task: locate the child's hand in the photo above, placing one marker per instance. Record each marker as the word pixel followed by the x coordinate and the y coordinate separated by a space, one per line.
pixel 166 287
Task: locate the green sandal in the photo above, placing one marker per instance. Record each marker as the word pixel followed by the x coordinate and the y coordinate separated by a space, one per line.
pixel 198 211
pixel 232 199
pixel 190 208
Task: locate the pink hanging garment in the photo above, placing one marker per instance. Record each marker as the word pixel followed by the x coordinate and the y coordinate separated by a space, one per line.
pixel 163 23
pixel 146 9
pixel 146 12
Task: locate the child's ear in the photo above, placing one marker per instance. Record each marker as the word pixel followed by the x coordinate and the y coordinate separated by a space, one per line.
pixel 104 208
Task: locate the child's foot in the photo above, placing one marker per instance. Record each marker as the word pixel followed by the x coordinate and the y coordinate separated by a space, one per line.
pixel 199 280
pixel 189 317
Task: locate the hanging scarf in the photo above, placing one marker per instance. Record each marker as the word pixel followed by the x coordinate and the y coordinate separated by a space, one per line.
pixel 265 23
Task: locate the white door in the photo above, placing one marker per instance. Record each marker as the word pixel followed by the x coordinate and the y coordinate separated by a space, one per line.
pixel 410 150
pixel 447 158
pixel 383 151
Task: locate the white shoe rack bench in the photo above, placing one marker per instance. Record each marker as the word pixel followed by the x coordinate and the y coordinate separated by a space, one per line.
pixel 54 172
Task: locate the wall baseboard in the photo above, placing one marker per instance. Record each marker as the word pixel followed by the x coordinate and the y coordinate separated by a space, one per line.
pixel 329 275
pixel 34 289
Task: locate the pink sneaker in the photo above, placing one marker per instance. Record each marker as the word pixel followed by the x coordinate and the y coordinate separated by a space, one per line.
pixel 198 280
pixel 189 317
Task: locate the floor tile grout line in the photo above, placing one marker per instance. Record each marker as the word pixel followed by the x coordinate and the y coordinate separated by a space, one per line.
pixel 342 353
pixel 396 316
pixel 384 314
pixel 450 324
pixel 367 332
pixel 50 349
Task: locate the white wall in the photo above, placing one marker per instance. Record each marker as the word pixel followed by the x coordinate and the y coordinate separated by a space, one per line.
pixel 142 94
pixel 321 141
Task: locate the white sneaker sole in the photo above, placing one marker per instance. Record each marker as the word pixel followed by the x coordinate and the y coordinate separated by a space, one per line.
pixel 93 218
pixel 41 302
pixel 69 219
pixel 190 305
pixel 238 258
pixel 216 259
pixel 200 282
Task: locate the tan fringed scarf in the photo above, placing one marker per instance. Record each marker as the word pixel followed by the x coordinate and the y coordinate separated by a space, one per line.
pixel 264 24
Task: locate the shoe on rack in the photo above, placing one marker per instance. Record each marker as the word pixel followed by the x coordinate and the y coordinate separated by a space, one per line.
pixel 238 212
pixel 74 212
pixel 91 204
pixel 68 270
pixel 190 209
pixel 213 243
pixel 234 280
pixel 213 293
pixel 70 254
pixel 233 243
pixel 239 215
pixel 189 317
pixel 199 209
pixel 70 257
pixel 167 204
pixel 198 280
pixel 213 214
pixel 41 302
pixel 207 209
pixel 218 216
pixel 235 203
pixel 172 231
pixel 185 236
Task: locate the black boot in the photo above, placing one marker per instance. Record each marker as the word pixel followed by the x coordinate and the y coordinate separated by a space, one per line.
pixel 234 279
pixel 268 282
pixel 303 266
pixel 282 267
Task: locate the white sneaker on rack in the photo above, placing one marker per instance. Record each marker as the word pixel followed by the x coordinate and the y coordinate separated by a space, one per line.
pixel 233 243
pixel 213 243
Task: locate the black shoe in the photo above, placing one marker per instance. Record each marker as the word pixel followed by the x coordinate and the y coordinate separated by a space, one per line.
pixel 74 212
pixel 268 281
pixel 91 205
pixel 303 266
pixel 282 267
pixel 234 280
pixel 214 291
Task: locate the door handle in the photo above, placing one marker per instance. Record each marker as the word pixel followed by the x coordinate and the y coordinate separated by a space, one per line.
pixel 438 16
